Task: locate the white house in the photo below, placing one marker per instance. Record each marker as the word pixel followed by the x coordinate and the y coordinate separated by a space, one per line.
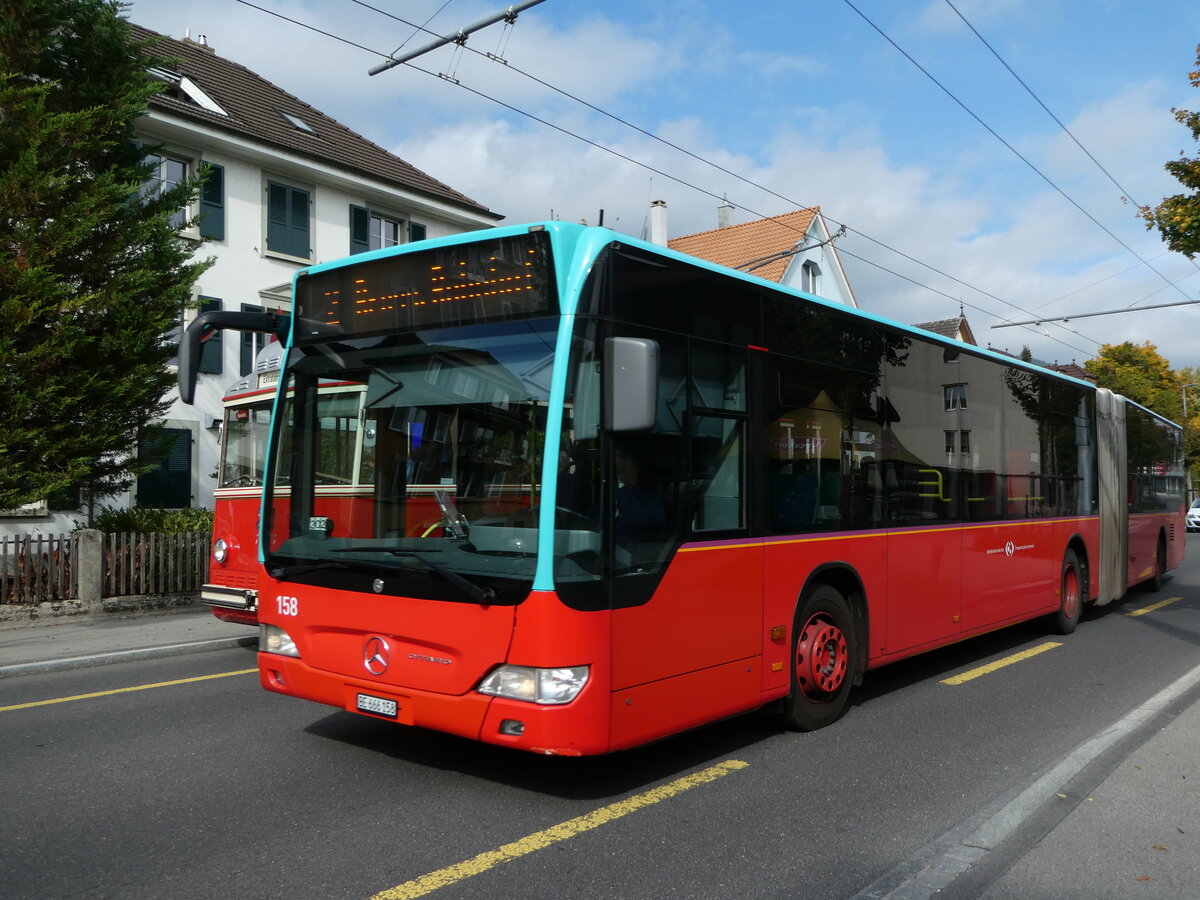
pixel 794 249
pixel 289 187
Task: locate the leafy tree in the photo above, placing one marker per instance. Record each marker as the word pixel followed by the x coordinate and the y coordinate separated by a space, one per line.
pixel 92 273
pixel 1178 218
pixel 1140 373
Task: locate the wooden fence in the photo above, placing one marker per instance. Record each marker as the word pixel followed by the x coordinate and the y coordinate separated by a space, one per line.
pixel 36 568
pixel 48 568
pixel 154 563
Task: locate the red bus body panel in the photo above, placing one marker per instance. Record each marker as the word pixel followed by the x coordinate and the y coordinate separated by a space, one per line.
pixel 698 651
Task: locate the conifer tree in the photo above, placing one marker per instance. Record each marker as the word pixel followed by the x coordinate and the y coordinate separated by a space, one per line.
pixel 93 274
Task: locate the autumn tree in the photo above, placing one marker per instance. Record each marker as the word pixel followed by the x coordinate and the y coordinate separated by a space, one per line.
pixel 1177 218
pixel 92 272
pixel 1141 373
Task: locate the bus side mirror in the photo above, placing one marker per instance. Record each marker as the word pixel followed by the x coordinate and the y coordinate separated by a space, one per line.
pixel 204 326
pixel 631 389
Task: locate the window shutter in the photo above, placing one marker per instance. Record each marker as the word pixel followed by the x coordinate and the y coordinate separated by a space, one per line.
pixel 416 231
pixel 212 203
pixel 287 220
pixel 210 353
pixel 360 229
pixel 277 217
pixel 299 223
pixel 169 484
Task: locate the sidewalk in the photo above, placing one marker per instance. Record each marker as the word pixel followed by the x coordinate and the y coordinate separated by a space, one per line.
pixel 97 640
pixel 1136 834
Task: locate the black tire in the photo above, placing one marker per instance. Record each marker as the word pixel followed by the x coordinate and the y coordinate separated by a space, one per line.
pixel 1155 582
pixel 824 648
pixel 1072 593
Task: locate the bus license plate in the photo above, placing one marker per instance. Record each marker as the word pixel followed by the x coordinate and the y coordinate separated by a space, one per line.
pixel 379 706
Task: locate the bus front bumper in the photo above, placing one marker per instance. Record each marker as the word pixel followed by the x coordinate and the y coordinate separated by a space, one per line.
pixel 578 728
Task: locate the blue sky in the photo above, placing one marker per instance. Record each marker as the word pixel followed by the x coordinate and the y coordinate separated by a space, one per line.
pixel 810 105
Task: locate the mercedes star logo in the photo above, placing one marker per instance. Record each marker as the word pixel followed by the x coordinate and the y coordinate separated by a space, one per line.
pixel 376 655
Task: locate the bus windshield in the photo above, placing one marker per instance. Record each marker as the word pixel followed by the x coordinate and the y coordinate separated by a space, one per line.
pixel 413 462
pixel 244 444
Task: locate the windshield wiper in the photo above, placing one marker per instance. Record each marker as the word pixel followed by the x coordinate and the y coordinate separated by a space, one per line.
pixel 476 592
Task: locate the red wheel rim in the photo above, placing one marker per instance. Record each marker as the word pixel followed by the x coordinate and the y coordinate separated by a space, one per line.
pixel 1070 599
pixel 821 656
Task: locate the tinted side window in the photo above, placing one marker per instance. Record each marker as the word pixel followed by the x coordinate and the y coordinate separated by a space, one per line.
pixel 921 479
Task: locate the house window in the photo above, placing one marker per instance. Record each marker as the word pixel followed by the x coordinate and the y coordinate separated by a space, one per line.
pixel 384 232
pixel 298 123
pixel 371 230
pixel 810 277
pixel 288 220
pixel 949 442
pixel 168 173
pixel 964 442
pixel 253 343
pixel 956 396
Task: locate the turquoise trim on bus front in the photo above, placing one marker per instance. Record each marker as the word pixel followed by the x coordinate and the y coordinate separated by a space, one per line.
pixel 576 249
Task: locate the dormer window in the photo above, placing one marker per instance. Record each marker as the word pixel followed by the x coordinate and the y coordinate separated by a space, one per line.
pixel 183 88
pixel 298 123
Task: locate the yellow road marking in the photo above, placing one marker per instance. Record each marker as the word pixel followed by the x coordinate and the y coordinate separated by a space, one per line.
pixel 426 884
pixel 1001 663
pixel 1153 606
pixel 124 690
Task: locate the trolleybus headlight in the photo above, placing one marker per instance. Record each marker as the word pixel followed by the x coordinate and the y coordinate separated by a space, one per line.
pixel 273 639
pixel 220 550
pixel 547 686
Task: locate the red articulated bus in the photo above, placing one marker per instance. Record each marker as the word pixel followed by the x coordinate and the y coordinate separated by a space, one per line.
pixel 606 492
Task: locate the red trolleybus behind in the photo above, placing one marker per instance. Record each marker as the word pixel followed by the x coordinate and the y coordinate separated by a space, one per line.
pixel 656 492
pixel 232 589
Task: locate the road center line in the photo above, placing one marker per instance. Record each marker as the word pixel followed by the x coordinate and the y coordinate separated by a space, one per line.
pixel 1153 606
pixel 1000 663
pixel 426 884
pixel 125 690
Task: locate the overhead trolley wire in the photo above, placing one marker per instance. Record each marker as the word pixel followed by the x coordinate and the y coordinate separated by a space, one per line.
pixel 1067 131
pixel 1046 178
pixel 689 185
pixel 728 172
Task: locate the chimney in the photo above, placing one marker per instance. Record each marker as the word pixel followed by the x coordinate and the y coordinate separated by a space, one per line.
pixel 658 223
pixel 201 41
pixel 725 215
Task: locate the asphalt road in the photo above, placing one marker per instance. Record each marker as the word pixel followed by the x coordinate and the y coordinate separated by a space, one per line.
pixel 201 786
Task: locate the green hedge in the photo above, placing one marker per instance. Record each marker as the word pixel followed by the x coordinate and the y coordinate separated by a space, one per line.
pixel 151 521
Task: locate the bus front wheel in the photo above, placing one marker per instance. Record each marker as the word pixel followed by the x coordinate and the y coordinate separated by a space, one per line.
pixel 823 653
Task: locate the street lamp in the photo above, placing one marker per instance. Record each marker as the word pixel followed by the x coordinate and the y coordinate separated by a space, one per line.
pixel 1183 392
pixel 1187 469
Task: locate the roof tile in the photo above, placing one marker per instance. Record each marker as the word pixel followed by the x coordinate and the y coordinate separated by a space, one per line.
pixel 737 245
pixel 254 106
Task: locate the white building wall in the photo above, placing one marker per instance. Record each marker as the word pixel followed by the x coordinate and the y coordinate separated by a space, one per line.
pixel 244 268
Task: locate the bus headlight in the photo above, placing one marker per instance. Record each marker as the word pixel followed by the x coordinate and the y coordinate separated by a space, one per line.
pixel 220 550
pixel 547 686
pixel 273 639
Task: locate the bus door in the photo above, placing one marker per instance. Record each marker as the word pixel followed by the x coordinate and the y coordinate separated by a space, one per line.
pixel 924 557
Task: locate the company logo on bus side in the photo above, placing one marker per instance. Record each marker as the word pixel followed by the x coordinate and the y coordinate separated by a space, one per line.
pixel 1009 549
